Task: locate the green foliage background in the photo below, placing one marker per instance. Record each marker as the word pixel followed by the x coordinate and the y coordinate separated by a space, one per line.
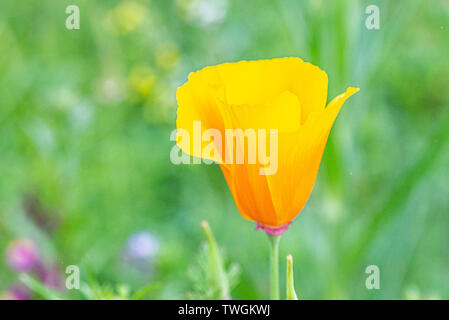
pixel 86 115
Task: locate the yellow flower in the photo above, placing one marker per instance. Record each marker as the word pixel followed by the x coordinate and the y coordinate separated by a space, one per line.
pixel 167 55
pixel 142 80
pixel 286 94
pixel 125 17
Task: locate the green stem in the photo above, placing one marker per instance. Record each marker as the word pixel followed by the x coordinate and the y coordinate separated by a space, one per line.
pixel 274 260
pixel 291 294
pixel 216 267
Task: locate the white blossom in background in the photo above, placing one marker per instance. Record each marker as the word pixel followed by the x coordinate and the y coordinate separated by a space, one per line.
pixel 42 135
pixel 140 251
pixel 81 114
pixel 111 90
pixel 203 12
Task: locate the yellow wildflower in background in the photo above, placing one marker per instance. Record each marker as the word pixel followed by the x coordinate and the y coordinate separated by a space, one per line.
pixel 125 17
pixel 142 80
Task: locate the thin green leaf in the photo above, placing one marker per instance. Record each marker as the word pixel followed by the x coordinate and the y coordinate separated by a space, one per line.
pixel 291 294
pixel 38 288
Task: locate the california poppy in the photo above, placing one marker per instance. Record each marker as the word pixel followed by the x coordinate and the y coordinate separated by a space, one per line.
pixel 287 95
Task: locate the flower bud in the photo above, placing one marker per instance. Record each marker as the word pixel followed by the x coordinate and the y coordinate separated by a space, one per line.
pixel 22 255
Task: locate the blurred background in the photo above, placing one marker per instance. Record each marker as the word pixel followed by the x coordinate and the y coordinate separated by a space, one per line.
pixel 85 173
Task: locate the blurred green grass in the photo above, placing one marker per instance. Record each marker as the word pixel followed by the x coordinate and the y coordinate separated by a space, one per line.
pixel 85 119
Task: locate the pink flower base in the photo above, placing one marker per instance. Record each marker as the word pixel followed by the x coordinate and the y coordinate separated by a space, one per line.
pixel 275 231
